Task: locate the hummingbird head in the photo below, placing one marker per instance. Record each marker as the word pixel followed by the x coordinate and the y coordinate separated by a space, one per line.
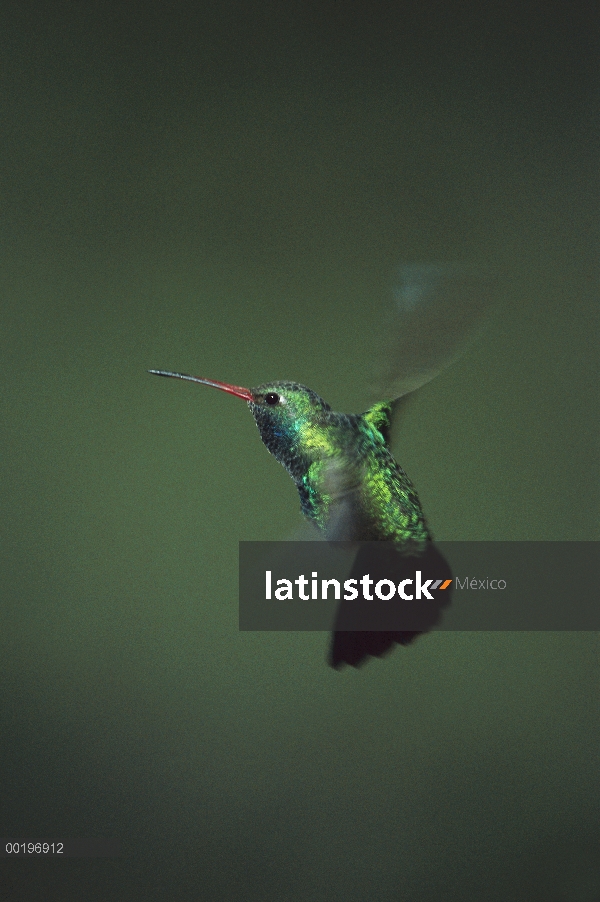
pixel 292 419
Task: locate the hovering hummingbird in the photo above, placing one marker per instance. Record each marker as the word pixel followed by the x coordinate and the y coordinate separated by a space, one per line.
pixel 350 486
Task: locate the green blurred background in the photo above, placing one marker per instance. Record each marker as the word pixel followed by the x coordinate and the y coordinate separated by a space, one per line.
pixel 227 189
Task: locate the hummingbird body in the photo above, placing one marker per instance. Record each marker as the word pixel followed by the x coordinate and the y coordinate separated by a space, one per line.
pixel 349 484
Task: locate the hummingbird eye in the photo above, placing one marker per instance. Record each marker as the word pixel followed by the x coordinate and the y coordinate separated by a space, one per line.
pixel 272 398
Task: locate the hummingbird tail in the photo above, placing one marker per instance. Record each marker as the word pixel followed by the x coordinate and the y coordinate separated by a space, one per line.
pixel 354 647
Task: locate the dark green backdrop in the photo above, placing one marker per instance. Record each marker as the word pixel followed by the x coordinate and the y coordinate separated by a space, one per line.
pixel 227 189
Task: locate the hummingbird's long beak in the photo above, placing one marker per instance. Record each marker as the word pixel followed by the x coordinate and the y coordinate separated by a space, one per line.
pixel 236 390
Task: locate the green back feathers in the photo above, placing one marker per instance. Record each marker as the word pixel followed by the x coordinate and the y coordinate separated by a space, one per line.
pixel 379 416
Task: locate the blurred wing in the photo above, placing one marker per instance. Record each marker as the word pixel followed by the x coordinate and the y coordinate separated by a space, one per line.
pixel 438 309
pixel 341 482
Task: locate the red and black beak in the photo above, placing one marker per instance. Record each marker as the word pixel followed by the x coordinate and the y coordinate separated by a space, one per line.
pixel 236 390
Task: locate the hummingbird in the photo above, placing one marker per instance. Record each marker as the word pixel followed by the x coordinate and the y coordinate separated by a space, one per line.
pixel 350 486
